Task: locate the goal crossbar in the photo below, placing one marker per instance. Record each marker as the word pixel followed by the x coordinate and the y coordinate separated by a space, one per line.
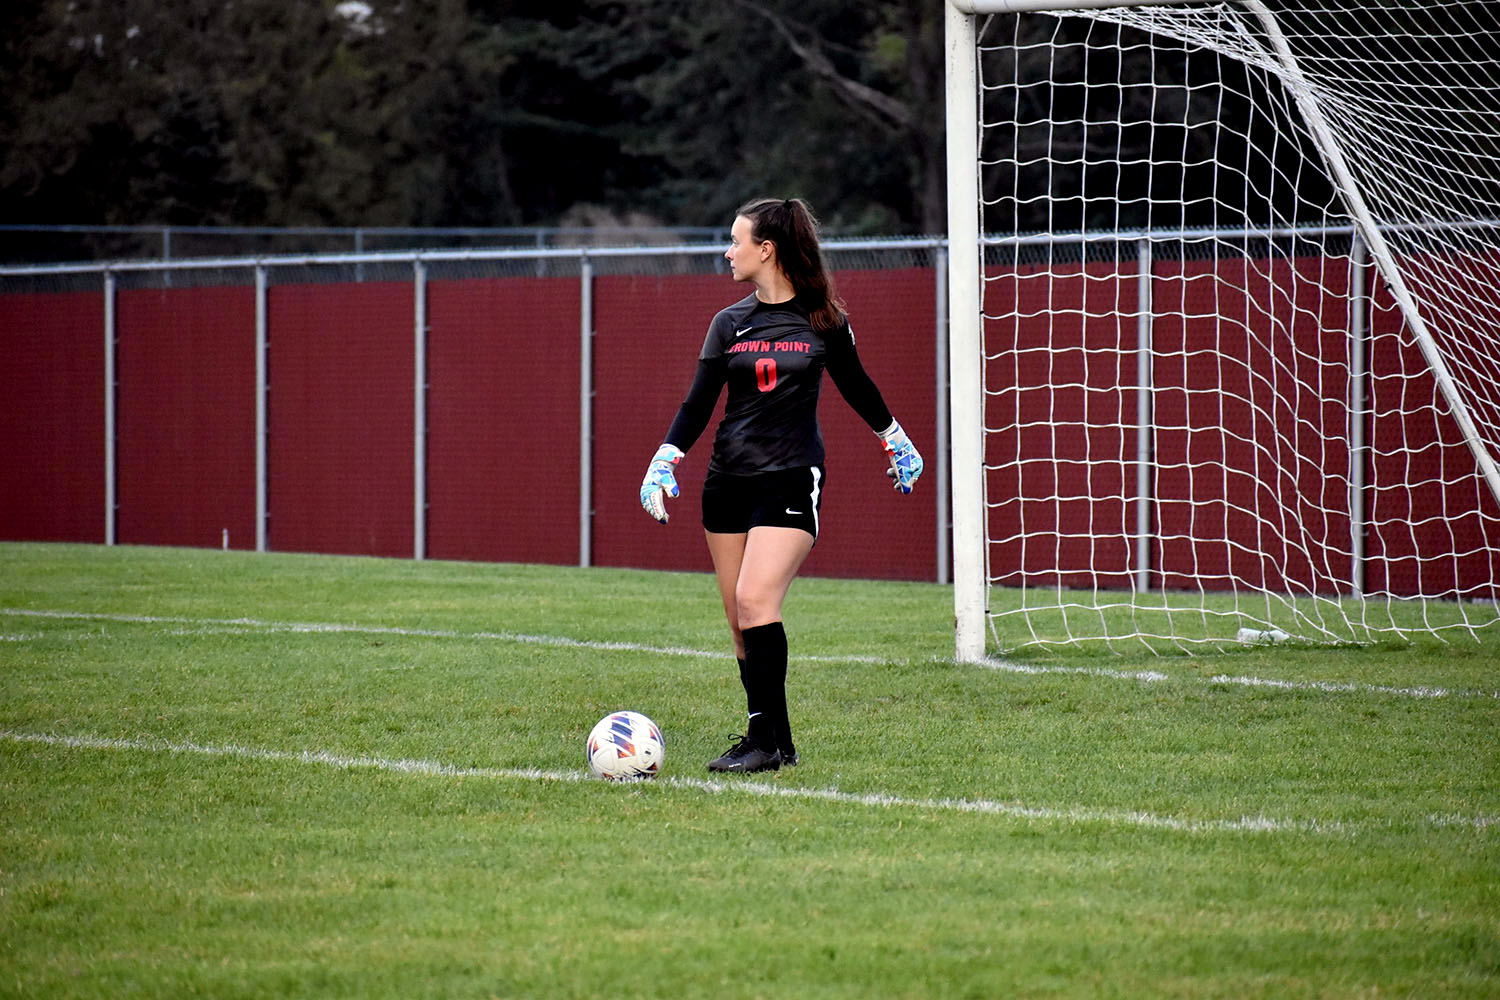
pixel 1023 6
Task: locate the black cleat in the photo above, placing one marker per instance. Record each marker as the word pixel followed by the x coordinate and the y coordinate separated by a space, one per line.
pixel 745 757
pixel 788 756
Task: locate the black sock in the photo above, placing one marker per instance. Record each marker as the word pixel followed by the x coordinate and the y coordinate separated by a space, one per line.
pixel 765 688
pixel 760 729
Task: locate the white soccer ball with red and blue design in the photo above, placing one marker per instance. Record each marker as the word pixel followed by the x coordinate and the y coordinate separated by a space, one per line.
pixel 625 746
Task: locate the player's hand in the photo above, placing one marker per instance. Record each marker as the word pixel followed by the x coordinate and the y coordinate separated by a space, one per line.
pixel 906 462
pixel 660 483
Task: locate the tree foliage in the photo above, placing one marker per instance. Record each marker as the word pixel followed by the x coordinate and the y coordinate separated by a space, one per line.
pixel 468 112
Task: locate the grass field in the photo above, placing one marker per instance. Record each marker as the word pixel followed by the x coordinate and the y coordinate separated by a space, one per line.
pixel 233 775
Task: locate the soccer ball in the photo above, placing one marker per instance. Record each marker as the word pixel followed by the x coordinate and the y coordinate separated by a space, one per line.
pixel 625 746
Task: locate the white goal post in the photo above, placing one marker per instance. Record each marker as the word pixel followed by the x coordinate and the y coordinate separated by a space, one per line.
pixel 1224 336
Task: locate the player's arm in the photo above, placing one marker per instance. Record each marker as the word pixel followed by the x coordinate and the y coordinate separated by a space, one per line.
pixel 860 392
pixel 692 417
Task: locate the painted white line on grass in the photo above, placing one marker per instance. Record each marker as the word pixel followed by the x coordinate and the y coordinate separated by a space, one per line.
pixel 1006 666
pixel 1154 676
pixel 751 786
pixel 248 625
pixel 254 625
pixel 245 626
pixel 746 786
pixel 1341 687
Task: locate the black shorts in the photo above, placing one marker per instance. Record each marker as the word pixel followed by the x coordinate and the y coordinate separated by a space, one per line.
pixel 787 498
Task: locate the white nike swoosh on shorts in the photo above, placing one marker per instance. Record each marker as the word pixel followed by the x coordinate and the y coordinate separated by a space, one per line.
pixel 790 511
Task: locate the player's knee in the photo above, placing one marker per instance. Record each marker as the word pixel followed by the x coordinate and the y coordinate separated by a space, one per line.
pixel 753 606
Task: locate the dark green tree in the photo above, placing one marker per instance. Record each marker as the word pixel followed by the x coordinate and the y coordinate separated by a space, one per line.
pixel 837 102
pixel 447 112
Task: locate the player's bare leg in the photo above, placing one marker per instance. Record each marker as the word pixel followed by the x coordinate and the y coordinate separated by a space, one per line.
pixel 727 552
pixel 768 565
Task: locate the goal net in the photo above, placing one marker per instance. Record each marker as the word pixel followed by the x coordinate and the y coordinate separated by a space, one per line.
pixel 1225 322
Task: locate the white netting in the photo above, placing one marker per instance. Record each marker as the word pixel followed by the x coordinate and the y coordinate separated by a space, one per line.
pixel 1208 401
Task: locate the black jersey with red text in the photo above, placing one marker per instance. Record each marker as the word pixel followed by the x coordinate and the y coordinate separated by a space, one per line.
pixel 773 361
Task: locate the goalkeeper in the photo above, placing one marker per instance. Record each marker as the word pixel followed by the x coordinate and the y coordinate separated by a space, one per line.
pixel 765 481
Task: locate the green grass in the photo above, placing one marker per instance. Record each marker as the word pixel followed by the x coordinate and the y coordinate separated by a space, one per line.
pixel 954 830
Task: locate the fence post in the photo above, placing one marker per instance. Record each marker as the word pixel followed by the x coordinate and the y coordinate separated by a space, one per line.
pixel 419 416
pixel 1359 328
pixel 261 388
pixel 586 411
pixel 1143 418
pixel 110 471
pixel 940 266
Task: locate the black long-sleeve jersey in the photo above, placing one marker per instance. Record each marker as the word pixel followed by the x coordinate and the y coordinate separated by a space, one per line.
pixel 773 362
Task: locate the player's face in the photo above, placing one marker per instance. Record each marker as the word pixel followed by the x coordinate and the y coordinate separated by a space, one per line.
pixel 746 257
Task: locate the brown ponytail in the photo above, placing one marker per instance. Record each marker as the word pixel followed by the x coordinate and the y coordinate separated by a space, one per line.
pixel 792 226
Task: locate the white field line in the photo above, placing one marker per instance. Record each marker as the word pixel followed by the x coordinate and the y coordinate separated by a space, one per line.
pixel 206 626
pixel 1338 687
pixel 745 786
pixel 246 626
pixel 1333 687
pixel 1009 667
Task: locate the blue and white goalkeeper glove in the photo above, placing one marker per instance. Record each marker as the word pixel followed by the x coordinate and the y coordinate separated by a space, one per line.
pixel 906 463
pixel 660 483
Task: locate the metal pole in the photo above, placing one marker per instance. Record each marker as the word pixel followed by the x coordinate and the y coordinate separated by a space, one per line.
pixel 419 415
pixel 586 412
pixel 262 388
pixel 1021 6
pixel 110 469
pixel 1358 375
pixel 966 355
pixel 1365 225
pixel 942 458
pixel 1143 419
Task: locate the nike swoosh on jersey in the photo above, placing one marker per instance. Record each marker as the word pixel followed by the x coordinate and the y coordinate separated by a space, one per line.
pixel 741 333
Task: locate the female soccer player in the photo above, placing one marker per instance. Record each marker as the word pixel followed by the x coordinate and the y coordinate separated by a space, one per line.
pixel 765 480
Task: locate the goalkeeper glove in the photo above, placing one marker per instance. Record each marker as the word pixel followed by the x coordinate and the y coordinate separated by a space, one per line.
pixel 906 463
pixel 660 483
